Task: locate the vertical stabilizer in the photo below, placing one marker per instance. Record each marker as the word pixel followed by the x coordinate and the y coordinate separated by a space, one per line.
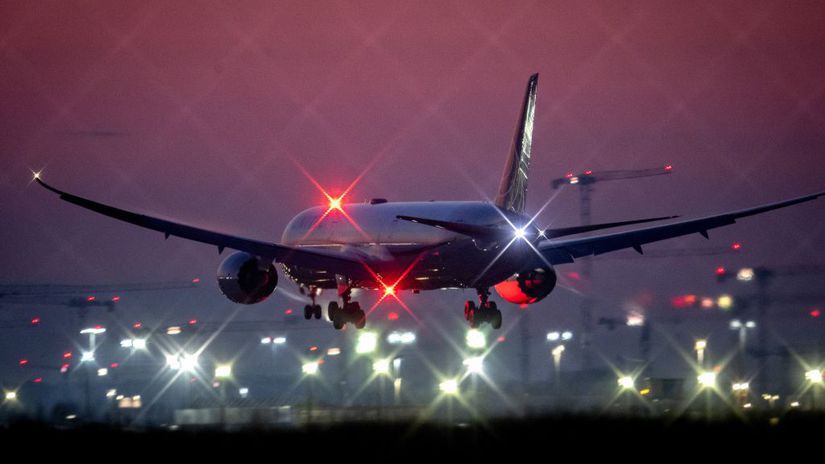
pixel 512 191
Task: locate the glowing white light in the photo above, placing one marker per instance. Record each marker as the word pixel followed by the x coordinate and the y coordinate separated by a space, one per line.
pixel 750 324
pixel 11 396
pixel 574 180
pixel 310 368
pixel 102 372
pixel 557 351
pixel 367 343
pixel 627 383
pixel 567 335
pixel 735 324
pixel 745 274
pixel 707 379
pixel 279 340
pixel 223 371
pixel 635 319
pixel 553 336
pixel 127 343
pixel 172 362
pixel 475 339
pixel 814 376
pixel 93 331
pixel 87 356
pixel 520 232
pixel 449 387
pixel 741 386
pixel 111 393
pixel 795 404
pixel 333 351
pixel 36 175
pixel 189 362
pixel 700 345
pixel 243 391
pixel 381 367
pixel 266 340
pixel 174 330
pixel 401 338
pixel 475 365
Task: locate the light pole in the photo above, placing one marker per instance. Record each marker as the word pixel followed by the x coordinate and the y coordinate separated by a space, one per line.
pixel 310 370
pixel 742 329
pixel 814 377
pixel 449 388
pixel 627 385
pixel 707 382
pixel 699 346
pixel 88 359
pixel 223 372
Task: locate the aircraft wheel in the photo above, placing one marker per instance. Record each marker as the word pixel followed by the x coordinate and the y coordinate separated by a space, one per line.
pixel 333 311
pixel 495 319
pixel 316 311
pixel 469 309
pixel 338 324
pixel 360 319
pixel 307 312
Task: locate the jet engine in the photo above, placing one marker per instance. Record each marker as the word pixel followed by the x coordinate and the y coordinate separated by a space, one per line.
pixel 244 279
pixel 529 286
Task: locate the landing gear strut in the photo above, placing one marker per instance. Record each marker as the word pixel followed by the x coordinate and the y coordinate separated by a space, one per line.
pixel 486 311
pixel 313 309
pixel 351 311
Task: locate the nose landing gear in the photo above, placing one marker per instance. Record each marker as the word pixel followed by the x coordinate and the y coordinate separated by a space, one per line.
pixel 486 312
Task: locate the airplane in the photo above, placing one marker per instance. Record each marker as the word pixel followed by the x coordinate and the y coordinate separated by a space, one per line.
pixel 424 245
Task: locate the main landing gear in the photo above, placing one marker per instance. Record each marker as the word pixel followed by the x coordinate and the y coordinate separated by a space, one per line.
pixel 351 312
pixel 312 310
pixel 485 312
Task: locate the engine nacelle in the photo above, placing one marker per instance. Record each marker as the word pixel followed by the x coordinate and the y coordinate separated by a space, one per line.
pixel 529 286
pixel 242 280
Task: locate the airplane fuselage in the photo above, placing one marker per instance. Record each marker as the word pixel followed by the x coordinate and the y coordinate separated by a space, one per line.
pixel 433 258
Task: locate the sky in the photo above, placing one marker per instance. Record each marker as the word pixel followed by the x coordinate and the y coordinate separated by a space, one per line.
pixel 202 111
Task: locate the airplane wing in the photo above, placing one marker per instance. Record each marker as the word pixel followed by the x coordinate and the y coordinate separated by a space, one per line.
pixel 338 262
pixel 566 251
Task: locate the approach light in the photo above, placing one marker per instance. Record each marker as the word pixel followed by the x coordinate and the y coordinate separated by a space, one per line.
pixel 310 368
pixel 87 356
pixel 449 387
pixel 401 338
pixel 814 376
pixel 707 379
pixel 475 365
pixel 381 367
pixel 367 343
pixel 626 382
pixel 223 371
pixel 476 339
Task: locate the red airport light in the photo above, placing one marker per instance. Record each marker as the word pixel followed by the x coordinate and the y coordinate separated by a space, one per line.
pixel 90 298
pixel 393 316
pixel 67 355
pixel 815 313
pixel 668 168
pixel 501 339
pixel 288 312
pixel 720 271
pixel 313 348
pixel 38 380
pixel 23 362
pixel 35 320
pixel 588 172
pixel 193 321
pixel 736 246
pixel 137 325
pixel 115 298
pixel 114 365
pixel 196 280
pixel 64 368
pixel 568 175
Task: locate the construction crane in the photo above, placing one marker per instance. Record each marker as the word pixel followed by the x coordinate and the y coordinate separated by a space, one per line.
pixel 586 182
pixel 763 276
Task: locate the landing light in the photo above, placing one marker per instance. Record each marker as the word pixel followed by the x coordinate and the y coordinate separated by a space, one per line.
pixel 335 203
pixel 520 232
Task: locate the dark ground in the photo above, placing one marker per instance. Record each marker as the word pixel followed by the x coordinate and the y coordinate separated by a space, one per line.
pixel 540 440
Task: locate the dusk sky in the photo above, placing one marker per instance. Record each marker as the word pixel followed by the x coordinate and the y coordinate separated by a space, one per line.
pixel 199 111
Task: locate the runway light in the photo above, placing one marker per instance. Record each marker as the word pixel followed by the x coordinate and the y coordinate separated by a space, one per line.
pixel 795 404
pixel 67 355
pixel 475 339
pixel 23 362
pixel 139 343
pixel 111 393
pixel 11 396
pixel 243 391
pixel 189 362
pixel 635 319
pixel 126 343
pixel 392 316
pixel 367 343
pixel 735 324
pixel 279 340
pixel 553 336
pixel 381 367
pixel 475 365
pixel 736 246
pixel 520 232
pixel 35 321
pixel 173 330
pixel 668 168
pixel 102 372
pixel 87 356
pixel 172 362
pixel 815 313
pixel 96 330
pixel 724 302
pixel 708 303
pixel 137 325
pixel 700 345
pixel 720 271
pixel 750 324
pixel 266 340
pixel 64 368
pixel 115 298
pixel 449 387
pixel 707 379
pixel 627 383
pixel 38 380
pixel 740 386
pixel 310 368
pixel 567 335
pixel 557 351
pixel 333 351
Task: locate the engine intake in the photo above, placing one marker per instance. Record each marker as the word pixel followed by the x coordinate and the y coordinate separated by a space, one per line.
pixel 242 280
pixel 528 287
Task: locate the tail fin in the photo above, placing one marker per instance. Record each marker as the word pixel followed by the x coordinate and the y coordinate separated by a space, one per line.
pixel 512 191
